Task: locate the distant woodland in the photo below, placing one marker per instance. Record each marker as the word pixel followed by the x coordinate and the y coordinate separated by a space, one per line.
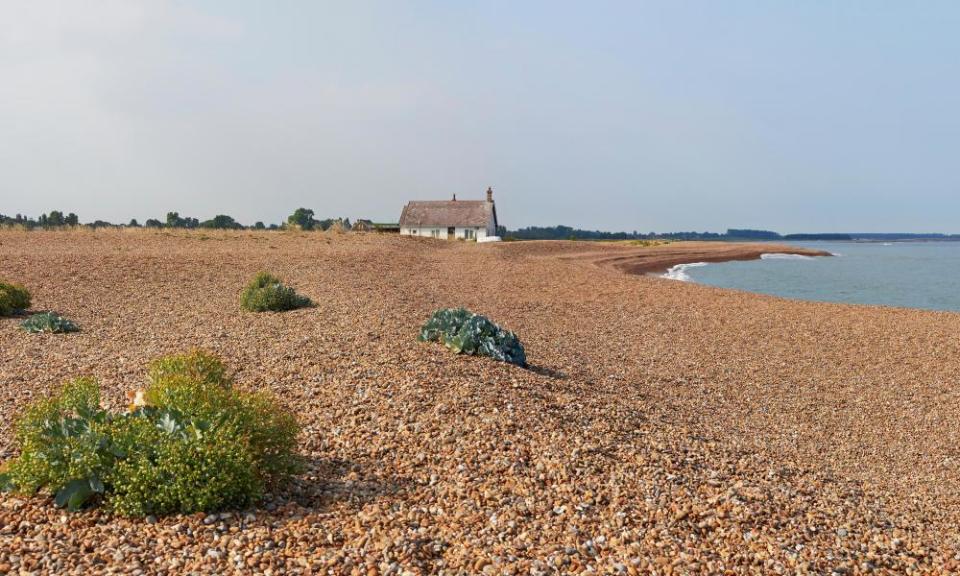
pixel 305 219
pixel 568 233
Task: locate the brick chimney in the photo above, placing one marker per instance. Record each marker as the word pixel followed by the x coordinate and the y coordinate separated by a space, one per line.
pixel 489 194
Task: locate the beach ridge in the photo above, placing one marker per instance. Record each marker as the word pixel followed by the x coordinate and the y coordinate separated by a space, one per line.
pixel 659 259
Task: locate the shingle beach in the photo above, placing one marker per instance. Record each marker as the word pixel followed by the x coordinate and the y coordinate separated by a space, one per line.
pixel 662 427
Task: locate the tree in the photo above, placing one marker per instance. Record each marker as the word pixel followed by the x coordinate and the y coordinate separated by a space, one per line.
pixel 133 223
pixel 71 219
pixel 753 234
pixel 302 217
pixel 153 223
pixel 221 222
pixel 259 226
pixel 175 221
pixel 55 218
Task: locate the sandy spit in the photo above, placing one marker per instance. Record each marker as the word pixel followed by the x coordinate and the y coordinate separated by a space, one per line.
pixel 659 259
pixel 664 427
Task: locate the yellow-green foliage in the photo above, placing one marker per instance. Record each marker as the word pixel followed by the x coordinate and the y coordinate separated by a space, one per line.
pixel 197 444
pixel 13 297
pixel 206 369
pixel 62 438
pixel 197 384
pixel 266 293
pixel 183 467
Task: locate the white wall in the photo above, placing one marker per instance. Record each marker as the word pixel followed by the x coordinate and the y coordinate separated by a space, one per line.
pixel 459 233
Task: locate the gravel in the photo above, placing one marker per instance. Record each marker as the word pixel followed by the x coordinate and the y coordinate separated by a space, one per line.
pixel 662 428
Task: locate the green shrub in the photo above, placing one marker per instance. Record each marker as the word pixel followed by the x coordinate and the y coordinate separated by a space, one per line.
pixel 13 298
pixel 64 443
pixel 467 333
pixel 267 293
pixel 174 463
pixel 197 365
pixel 191 442
pixel 197 384
pixel 48 322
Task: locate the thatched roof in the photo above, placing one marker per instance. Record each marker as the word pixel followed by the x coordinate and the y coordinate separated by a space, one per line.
pixel 447 213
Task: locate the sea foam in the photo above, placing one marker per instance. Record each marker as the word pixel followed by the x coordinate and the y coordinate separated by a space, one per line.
pixel 778 256
pixel 679 272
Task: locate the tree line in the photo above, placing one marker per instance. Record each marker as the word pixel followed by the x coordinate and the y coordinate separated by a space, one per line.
pixel 54 219
pixel 301 219
pixel 569 233
pixel 305 219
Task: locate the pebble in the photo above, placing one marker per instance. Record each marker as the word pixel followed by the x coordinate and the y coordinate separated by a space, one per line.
pixel 663 427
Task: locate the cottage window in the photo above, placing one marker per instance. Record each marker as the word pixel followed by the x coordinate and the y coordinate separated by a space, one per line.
pixel 435 233
pixel 469 234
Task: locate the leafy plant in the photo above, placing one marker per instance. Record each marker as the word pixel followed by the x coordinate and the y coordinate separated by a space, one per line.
pixel 197 366
pixel 267 293
pixel 13 298
pixel 192 442
pixel 64 441
pixel 174 463
pixel 48 322
pixel 467 333
pixel 196 384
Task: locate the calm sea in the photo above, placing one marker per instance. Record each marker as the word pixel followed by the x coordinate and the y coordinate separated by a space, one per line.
pixel 906 274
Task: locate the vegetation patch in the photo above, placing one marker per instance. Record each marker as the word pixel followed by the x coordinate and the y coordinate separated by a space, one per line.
pixel 467 333
pixel 13 298
pixel 267 293
pixel 48 322
pixel 647 243
pixel 190 442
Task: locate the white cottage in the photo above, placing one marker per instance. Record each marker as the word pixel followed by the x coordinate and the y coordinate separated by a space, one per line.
pixel 450 219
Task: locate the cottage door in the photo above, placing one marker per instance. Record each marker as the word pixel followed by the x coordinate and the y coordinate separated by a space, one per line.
pixel 451 233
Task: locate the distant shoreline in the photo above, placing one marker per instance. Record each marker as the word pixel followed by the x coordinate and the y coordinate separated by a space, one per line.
pixel 658 260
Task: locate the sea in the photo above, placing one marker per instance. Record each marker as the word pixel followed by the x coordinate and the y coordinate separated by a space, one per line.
pixel 923 275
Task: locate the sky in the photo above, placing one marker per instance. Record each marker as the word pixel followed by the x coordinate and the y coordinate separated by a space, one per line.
pixel 650 116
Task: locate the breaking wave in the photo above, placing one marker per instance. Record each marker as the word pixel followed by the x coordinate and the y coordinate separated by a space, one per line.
pixel 778 256
pixel 679 272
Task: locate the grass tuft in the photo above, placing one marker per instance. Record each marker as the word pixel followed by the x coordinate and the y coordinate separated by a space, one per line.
pixel 267 293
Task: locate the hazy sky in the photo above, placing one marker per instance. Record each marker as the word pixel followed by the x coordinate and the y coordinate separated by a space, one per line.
pixel 794 116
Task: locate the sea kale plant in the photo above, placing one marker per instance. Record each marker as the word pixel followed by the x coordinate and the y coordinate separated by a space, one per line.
pixel 266 293
pixel 189 442
pixel 48 322
pixel 13 298
pixel 467 333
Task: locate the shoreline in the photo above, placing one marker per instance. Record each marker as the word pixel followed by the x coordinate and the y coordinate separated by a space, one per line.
pixel 657 261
